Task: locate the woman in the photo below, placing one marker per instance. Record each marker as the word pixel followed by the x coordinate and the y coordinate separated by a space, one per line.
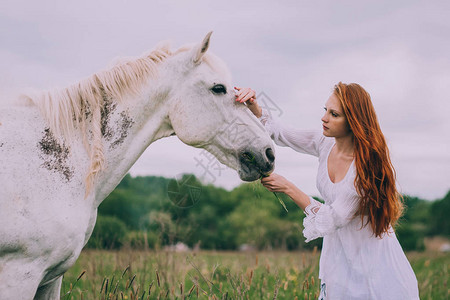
pixel 361 257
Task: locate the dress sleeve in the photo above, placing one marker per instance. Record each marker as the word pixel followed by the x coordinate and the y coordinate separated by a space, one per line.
pixel 322 219
pixel 304 141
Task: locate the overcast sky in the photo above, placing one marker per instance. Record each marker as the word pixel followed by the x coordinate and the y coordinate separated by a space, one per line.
pixel 293 51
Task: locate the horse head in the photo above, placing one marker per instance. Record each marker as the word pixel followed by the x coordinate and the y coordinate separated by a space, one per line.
pixel 204 114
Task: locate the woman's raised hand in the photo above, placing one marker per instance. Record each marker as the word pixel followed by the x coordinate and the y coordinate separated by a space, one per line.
pixel 245 94
pixel 248 96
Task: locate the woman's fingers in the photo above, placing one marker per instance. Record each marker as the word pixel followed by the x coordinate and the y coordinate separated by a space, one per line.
pixel 242 93
pixel 245 94
pixel 268 182
pixel 246 97
pixel 271 188
pixel 274 182
pixel 264 180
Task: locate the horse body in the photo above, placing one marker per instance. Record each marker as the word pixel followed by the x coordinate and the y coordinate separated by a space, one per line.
pixel 48 206
pixel 42 223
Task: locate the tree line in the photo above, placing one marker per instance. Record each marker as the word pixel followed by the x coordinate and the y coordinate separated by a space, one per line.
pixel 153 212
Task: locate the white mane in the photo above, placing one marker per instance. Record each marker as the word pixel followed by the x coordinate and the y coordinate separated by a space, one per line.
pixel 66 109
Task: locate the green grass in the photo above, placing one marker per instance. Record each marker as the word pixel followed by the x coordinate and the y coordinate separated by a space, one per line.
pixel 131 274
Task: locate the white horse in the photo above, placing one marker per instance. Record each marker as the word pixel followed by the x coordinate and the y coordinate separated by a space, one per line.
pixel 62 152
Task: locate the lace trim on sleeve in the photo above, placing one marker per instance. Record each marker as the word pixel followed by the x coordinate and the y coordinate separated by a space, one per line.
pixel 313 208
pixel 310 232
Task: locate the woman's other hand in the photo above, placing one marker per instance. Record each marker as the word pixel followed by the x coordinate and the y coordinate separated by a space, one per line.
pixel 276 183
pixel 248 96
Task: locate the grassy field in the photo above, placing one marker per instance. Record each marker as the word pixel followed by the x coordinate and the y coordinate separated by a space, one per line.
pixel 220 275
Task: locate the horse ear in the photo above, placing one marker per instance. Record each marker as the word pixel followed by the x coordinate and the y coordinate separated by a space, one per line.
pixel 201 49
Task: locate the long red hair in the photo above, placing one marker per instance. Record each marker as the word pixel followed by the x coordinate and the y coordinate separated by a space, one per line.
pixel 375 174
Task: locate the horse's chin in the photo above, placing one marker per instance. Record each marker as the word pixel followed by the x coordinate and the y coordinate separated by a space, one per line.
pixel 250 175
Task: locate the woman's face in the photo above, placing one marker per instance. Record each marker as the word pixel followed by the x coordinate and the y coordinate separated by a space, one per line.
pixel 335 123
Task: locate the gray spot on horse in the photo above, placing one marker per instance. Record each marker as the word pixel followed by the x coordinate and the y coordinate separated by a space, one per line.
pixel 11 249
pixel 115 133
pixel 55 155
pixel 108 108
pixel 85 109
pixel 123 125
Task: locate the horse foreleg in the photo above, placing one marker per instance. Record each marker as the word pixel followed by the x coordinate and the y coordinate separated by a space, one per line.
pixel 49 291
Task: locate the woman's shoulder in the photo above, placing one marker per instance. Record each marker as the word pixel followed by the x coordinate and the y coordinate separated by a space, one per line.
pixel 322 144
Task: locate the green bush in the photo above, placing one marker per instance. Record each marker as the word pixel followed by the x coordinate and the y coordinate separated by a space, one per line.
pixel 109 233
pixel 410 238
pixel 186 210
pixel 439 222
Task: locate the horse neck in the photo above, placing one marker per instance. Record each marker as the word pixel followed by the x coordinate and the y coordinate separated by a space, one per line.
pixel 127 131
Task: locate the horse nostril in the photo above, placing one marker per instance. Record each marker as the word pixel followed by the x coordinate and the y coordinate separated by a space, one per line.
pixel 270 155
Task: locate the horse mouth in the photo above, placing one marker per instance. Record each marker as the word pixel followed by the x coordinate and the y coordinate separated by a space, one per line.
pixel 254 166
pixel 252 175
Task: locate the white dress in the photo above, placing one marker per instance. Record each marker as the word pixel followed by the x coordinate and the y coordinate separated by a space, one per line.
pixel 354 264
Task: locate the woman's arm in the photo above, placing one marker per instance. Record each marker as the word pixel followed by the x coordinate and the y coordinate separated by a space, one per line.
pixel 321 219
pixel 304 141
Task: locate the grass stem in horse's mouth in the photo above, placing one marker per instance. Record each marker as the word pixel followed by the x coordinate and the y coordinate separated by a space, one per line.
pixel 281 201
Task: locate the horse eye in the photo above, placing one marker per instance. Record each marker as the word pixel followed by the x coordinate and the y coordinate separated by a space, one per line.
pixel 219 89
